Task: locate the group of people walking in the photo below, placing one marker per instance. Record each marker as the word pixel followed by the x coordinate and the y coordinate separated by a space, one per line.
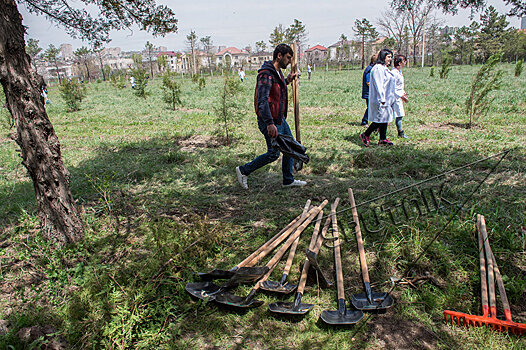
pixel 384 93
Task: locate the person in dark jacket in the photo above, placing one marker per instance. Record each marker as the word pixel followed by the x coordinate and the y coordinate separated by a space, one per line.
pixel 271 104
pixel 366 79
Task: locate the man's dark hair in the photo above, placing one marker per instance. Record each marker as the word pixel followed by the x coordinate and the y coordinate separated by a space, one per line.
pixel 399 59
pixel 382 55
pixel 283 49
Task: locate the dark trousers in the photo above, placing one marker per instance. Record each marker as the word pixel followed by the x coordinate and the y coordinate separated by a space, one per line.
pixel 272 154
pixel 365 118
pixel 382 129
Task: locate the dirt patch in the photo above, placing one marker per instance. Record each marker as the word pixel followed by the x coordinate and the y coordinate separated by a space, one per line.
pixel 449 126
pixel 194 142
pixel 392 333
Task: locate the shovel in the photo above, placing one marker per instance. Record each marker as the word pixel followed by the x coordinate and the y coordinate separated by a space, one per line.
pixel 297 164
pixel 241 273
pixel 368 301
pixel 312 255
pixel 245 267
pixel 248 301
pixel 342 316
pixel 297 307
pixel 283 286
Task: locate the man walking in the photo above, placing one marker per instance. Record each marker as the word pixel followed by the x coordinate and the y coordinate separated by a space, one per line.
pixel 271 104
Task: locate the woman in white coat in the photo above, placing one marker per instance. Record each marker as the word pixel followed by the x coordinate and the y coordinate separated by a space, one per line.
pixel 381 98
pixel 401 96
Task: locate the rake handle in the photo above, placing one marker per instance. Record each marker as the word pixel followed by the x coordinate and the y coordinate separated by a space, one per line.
pixel 359 241
pixel 483 276
pixel 267 243
pixel 294 246
pixel 281 238
pixel 498 277
pixel 337 252
pixel 306 264
pixel 277 257
pixel 490 272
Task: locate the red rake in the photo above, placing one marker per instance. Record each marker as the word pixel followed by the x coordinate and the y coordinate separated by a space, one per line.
pixel 489 313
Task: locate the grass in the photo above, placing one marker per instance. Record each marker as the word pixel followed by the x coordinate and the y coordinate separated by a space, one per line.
pixel 160 201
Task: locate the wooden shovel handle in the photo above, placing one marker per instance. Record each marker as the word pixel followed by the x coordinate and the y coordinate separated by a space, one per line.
pixel 268 243
pixel 295 92
pixel 281 238
pixel 279 254
pixel 359 241
pixel 306 264
pixel 294 246
pixel 337 251
pixel 489 264
pixel 483 276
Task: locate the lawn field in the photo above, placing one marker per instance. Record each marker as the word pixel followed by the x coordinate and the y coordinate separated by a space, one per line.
pixel 160 201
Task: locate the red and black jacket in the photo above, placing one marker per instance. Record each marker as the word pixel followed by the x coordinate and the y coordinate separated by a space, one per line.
pixel 270 97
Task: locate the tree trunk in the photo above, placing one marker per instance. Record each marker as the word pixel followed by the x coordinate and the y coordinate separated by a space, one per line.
pixel 60 220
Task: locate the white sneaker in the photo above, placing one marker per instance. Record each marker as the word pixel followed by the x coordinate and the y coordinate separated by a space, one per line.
pixel 242 179
pixel 296 183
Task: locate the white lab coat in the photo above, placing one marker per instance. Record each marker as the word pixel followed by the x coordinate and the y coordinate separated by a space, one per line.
pixel 398 105
pixel 381 95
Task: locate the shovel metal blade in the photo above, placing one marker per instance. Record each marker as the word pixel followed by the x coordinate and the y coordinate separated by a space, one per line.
pixel 342 316
pixel 313 259
pixel 381 301
pixel 230 299
pixel 283 307
pixel 248 274
pixel 297 164
pixel 203 290
pixel 216 274
pixel 273 286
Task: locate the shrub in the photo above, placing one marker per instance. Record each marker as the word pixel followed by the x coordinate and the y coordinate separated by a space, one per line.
pixel 118 81
pixel 139 74
pixel 72 92
pixel 226 108
pixel 432 73
pixel 202 83
pixel 518 68
pixel 446 67
pixel 487 80
pixel 171 90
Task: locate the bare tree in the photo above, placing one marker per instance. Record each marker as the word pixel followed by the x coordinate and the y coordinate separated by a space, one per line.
pixel 417 13
pixel 149 48
pixel 191 41
pixel 83 56
pixel 206 43
pixel 97 49
pixel 392 23
pixel 60 219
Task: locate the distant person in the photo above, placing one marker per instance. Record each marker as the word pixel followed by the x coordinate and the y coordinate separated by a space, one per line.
pixel 401 96
pixel 271 104
pixel 132 82
pixel 366 79
pixel 44 94
pixel 241 74
pixel 309 70
pixel 381 98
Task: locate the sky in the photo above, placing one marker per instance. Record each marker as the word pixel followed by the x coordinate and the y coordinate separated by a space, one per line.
pixel 242 23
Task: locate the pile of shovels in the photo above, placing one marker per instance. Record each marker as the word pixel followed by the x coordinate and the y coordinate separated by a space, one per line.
pixel 250 271
pixel 489 270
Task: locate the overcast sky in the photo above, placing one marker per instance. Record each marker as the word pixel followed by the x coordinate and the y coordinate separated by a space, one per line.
pixel 241 23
